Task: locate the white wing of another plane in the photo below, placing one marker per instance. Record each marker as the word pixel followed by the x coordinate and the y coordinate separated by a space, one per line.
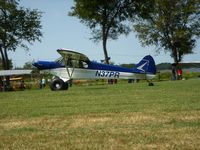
pixel 14 72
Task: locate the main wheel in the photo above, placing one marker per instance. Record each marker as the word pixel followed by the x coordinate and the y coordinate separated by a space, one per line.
pixel 57 84
pixel 66 86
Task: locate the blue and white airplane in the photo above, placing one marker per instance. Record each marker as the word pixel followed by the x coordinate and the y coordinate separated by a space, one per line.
pixel 74 65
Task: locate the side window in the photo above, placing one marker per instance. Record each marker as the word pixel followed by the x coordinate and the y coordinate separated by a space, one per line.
pixel 85 65
pixel 69 62
pixel 75 63
pixel 72 63
pixel 82 64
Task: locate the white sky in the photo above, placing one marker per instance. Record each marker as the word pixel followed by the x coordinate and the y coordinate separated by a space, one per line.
pixel 61 31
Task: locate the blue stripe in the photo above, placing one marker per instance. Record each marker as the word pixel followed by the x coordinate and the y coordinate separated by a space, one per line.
pixel 146 65
pixel 99 66
pixel 47 65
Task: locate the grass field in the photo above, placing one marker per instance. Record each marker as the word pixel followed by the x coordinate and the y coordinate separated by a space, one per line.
pixel 106 117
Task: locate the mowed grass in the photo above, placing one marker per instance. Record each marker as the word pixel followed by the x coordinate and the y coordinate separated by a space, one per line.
pixel 106 117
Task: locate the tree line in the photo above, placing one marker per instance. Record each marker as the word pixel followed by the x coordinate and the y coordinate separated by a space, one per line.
pixel 169 25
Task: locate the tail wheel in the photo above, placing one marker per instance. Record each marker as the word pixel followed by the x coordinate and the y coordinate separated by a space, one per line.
pixel 57 84
pixel 151 84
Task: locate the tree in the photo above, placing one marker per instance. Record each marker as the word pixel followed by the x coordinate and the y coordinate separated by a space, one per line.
pixel 28 65
pixel 173 25
pixel 106 19
pixel 17 24
pixel 10 63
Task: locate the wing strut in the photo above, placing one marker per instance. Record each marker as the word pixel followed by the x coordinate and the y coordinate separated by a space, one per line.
pixel 70 58
pixel 69 64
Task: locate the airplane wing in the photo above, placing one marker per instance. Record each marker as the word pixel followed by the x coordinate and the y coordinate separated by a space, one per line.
pixel 14 72
pixel 68 54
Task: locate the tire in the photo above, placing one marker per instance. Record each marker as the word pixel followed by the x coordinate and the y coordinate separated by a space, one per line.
pixel 57 84
pixel 66 86
pixel 151 84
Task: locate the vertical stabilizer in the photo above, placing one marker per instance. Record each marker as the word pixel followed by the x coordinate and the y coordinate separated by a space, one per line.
pixel 146 66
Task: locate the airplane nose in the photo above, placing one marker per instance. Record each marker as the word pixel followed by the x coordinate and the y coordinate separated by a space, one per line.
pixel 39 65
pixel 46 65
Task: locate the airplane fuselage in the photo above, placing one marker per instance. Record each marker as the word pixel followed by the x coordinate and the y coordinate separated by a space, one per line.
pixel 79 73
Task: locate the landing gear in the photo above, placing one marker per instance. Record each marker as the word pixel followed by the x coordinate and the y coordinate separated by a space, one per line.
pixel 151 84
pixel 58 84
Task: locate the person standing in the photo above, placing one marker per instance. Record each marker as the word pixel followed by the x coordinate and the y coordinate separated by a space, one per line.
pixel 43 82
pixel 174 71
pixel 179 73
pixel 40 83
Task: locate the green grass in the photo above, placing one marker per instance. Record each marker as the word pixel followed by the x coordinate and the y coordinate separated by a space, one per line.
pixel 122 116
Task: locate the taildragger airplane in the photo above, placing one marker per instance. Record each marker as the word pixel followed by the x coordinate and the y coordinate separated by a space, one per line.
pixel 74 65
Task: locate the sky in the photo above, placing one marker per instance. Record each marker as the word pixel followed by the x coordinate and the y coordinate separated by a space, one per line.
pixel 62 31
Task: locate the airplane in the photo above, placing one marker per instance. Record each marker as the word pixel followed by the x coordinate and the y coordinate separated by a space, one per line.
pixel 75 65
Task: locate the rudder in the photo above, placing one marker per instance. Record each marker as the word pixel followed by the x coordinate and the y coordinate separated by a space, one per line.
pixel 146 66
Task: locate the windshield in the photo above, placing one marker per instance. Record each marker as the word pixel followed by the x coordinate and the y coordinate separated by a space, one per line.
pixel 60 61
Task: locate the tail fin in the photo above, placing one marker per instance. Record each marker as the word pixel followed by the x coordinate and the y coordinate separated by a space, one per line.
pixel 146 65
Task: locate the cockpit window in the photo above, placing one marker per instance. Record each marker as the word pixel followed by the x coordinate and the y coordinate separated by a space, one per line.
pixel 82 64
pixel 85 65
pixel 72 63
pixel 60 61
pixel 76 63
